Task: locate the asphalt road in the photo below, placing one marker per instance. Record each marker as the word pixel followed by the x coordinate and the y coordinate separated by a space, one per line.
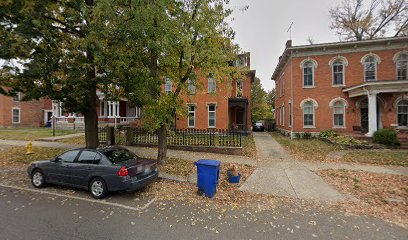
pixel 32 214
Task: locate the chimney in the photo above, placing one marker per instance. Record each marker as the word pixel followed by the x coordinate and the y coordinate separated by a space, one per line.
pixel 288 43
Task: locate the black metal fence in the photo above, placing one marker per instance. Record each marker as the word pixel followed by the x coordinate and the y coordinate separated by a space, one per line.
pixel 180 137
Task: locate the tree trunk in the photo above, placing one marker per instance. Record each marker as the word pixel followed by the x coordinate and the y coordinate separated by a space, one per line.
pixel 91 120
pixel 162 148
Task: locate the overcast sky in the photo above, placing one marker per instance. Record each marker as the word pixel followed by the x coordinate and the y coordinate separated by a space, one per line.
pixel 262 28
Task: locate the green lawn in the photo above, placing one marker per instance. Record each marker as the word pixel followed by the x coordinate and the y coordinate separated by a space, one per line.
pixel 306 149
pixel 30 133
pixel 396 158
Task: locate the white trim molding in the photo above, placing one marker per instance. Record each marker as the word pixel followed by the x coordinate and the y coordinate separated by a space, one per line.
pixel 308 60
pixel 378 59
pixel 12 115
pixel 398 99
pixel 338 57
pixel 315 104
pixel 398 54
pixel 338 99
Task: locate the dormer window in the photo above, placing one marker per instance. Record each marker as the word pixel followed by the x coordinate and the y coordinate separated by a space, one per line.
pixel 17 97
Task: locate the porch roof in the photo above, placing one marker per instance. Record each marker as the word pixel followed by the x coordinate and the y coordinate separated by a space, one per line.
pixel 375 87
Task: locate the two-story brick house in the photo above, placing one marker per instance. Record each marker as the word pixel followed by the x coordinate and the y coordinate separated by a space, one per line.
pixel 218 104
pixel 344 86
pixel 17 113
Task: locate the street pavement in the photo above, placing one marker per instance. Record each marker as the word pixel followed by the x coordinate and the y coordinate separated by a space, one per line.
pixel 28 213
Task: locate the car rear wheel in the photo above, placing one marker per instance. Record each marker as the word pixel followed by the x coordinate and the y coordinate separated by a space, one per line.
pixel 37 179
pixel 97 188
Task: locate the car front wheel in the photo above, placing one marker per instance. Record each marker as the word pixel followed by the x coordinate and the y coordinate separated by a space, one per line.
pixel 97 188
pixel 37 179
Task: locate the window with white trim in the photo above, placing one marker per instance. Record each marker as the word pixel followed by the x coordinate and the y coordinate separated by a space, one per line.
pixel 338 72
pixel 168 86
pixel 308 74
pixel 17 97
pixel 211 85
pixel 15 115
pixel 338 114
pixel 212 115
pixel 290 114
pixel 308 114
pixel 402 113
pixel 370 69
pixel 402 67
pixel 191 86
pixel 191 116
pixel 283 115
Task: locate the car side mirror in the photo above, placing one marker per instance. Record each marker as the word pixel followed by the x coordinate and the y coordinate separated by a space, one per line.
pixel 55 159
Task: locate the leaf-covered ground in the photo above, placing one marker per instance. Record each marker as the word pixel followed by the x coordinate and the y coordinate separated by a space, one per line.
pixel 380 195
pixel 315 150
pixel 17 157
pixel 306 149
pixel 178 167
pixel 396 158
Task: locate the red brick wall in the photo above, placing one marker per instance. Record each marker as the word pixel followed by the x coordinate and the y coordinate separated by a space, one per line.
pixel 202 98
pixel 323 91
pixel 31 112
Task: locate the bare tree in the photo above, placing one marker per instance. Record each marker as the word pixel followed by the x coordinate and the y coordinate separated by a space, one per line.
pixel 310 40
pixel 358 20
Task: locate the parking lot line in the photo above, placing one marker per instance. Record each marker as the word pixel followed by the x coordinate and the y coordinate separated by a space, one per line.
pixel 103 202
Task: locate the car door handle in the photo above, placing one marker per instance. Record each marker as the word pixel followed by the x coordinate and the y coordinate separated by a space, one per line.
pixel 89 168
pixel 67 166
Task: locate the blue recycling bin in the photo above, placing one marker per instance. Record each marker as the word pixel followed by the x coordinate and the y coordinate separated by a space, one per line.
pixel 208 174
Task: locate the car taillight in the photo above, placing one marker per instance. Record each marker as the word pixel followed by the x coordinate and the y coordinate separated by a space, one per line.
pixel 123 172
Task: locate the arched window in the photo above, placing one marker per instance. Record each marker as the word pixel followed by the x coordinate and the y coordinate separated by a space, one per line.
pixel 338 114
pixel 308 74
pixel 308 114
pixel 338 72
pixel 402 66
pixel 370 68
pixel 402 113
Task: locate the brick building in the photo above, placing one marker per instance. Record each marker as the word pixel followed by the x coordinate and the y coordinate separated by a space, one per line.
pixel 209 103
pixel 218 104
pixel 17 113
pixel 357 86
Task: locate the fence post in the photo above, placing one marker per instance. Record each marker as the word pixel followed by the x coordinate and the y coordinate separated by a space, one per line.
pixel 129 136
pixel 111 135
pixel 240 141
pixel 210 138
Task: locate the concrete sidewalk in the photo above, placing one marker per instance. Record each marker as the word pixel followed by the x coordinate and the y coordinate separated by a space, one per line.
pixel 56 138
pixel 38 144
pixel 279 174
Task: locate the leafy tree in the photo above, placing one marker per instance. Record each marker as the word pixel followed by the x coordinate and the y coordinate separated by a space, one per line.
pixel 358 20
pixel 259 106
pixel 189 40
pixel 270 98
pixel 58 49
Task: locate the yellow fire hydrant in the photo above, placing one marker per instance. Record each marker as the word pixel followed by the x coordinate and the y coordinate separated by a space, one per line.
pixel 29 148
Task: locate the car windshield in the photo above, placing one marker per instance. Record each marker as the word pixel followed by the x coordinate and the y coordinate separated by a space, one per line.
pixel 258 124
pixel 119 155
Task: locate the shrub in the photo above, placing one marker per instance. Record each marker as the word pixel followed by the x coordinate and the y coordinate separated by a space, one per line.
pixel 298 135
pixel 386 136
pixel 307 135
pixel 328 134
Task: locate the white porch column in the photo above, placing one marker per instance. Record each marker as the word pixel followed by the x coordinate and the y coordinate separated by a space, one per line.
pixel 372 114
pixel 109 108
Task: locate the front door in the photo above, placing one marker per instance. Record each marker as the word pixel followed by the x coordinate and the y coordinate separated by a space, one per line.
pixel 364 119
